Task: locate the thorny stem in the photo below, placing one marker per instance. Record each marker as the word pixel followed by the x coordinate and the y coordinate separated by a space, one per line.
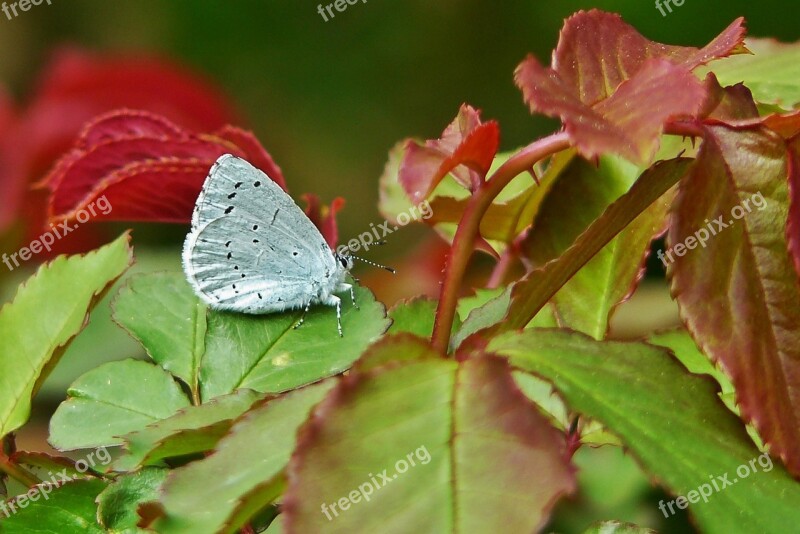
pixel 17 472
pixel 469 227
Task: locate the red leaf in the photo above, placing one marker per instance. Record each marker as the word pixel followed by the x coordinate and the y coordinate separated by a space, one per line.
pixel 467 148
pixel 738 292
pixel 728 104
pixel 148 168
pixel 630 122
pixel 324 217
pixel 613 88
pixel 793 225
pixel 597 51
pixel 74 88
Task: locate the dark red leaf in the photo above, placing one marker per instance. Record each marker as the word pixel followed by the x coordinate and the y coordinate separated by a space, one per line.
pixel 148 168
pixel 74 88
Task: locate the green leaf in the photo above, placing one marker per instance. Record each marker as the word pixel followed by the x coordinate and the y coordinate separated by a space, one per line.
pixel 685 349
pixel 161 311
pixel 416 316
pixel 734 278
pixel 47 312
pixel 534 290
pixel 69 509
pixel 266 354
pixel 425 445
pixel 586 302
pixel 494 304
pixel 117 504
pixel 772 73
pixel 673 421
pixel 617 527
pixel 113 400
pixel 221 492
pixel 192 430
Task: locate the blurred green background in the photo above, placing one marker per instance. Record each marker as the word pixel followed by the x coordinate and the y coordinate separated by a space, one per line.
pixel 329 99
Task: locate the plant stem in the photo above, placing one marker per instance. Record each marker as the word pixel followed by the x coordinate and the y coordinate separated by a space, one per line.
pixel 469 226
pixel 17 472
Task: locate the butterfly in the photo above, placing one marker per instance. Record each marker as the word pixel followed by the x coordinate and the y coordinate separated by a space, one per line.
pixel 251 249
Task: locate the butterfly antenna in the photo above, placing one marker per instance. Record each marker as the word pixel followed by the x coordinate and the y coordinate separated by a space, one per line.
pixel 378 265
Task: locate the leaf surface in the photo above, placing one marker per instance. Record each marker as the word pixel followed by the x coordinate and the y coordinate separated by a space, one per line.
pixel 245 468
pixel 425 445
pixel 69 509
pixel 735 284
pixel 113 400
pixel 671 420
pixel 35 335
pixel 586 302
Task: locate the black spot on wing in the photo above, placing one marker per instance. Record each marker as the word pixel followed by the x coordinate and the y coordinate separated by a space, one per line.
pixel 228 210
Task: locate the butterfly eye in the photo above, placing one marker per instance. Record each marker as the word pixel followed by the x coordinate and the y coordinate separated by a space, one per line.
pixel 343 261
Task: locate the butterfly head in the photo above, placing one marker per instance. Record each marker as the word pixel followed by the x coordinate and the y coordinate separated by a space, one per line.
pixel 344 258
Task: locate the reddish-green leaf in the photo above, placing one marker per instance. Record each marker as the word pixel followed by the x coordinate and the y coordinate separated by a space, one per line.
pixel 793 226
pixel 490 461
pixel 597 51
pixel 734 279
pixel 630 121
pixel 466 148
pixel 614 89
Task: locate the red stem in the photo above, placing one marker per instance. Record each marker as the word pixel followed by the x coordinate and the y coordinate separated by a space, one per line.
pixel 469 226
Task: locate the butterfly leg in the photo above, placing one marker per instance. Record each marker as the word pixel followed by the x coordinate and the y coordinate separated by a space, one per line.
pixel 343 286
pixel 302 317
pixel 333 300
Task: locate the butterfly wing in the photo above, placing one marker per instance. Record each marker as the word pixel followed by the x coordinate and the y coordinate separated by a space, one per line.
pixel 255 251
